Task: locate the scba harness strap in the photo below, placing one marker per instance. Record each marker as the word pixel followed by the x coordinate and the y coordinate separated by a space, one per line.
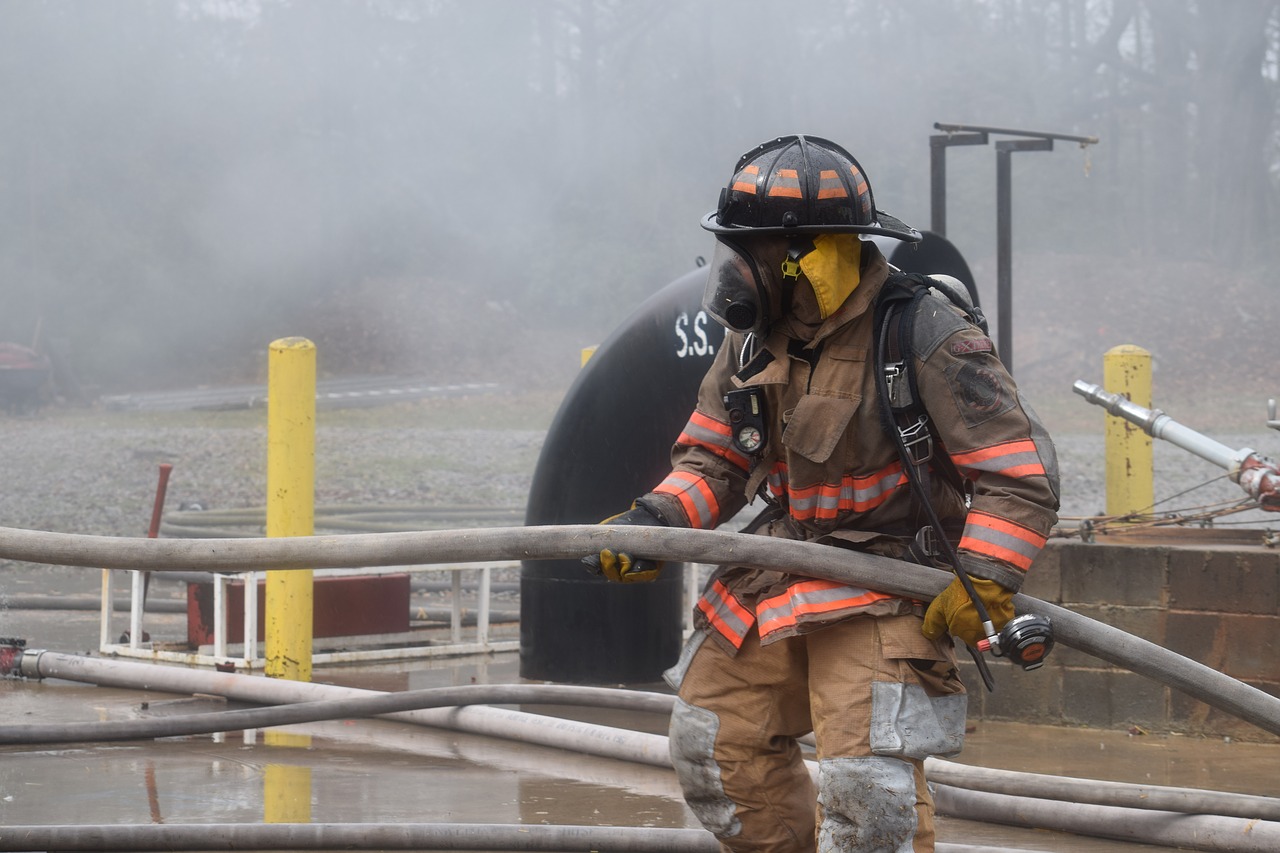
pixel 903 414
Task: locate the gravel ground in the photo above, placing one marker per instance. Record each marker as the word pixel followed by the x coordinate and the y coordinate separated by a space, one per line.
pixel 96 473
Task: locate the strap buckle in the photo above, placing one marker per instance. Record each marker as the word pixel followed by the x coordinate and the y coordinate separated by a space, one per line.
pixel 892 373
pixel 917 440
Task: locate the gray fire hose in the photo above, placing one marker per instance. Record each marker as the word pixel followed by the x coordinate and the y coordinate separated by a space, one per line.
pixel 372 836
pixel 573 541
pixel 1040 786
pixel 356 836
pixel 1193 831
pixel 334 709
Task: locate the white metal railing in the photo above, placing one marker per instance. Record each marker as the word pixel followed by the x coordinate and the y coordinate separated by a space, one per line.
pixel 246 654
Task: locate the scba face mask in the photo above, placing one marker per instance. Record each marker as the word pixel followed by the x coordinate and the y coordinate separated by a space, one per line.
pixel 744 292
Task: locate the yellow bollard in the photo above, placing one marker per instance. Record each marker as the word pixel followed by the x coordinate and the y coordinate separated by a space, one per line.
pixel 1126 370
pixel 291 441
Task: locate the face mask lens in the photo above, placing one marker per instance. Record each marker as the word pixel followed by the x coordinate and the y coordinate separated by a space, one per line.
pixel 733 290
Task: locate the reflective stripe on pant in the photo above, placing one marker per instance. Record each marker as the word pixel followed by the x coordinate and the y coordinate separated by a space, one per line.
pixel 878 696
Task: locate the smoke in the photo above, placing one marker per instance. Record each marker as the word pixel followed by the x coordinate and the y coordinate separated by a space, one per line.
pixel 183 182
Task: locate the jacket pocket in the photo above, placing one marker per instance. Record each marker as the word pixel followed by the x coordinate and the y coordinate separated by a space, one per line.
pixel 817 424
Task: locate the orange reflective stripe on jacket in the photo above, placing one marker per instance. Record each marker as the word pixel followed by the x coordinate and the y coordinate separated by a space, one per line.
pixel 811 598
pixel 1010 459
pixel 725 614
pixel 825 501
pixel 1000 538
pixel 714 435
pixel 696 497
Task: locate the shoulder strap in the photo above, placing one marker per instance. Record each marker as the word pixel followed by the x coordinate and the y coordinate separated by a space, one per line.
pixel 903 415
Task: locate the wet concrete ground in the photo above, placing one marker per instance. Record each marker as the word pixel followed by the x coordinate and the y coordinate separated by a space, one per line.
pixel 375 771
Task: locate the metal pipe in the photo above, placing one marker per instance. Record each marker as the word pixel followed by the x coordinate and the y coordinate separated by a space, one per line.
pixel 1004 131
pixel 938 146
pixel 1004 239
pixel 1156 423
pixel 677 545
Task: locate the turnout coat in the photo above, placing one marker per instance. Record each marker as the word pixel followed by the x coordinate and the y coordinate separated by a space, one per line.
pixel 831 473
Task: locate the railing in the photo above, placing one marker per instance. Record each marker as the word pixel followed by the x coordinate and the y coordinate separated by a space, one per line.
pixel 247 654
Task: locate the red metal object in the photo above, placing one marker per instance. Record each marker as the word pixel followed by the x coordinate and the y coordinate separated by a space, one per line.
pixel 343 607
pixel 153 532
pixel 23 372
pixel 10 652
pixel 156 511
pixel 1260 477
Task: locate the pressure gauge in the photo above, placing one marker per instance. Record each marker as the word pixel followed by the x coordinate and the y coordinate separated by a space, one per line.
pixel 746 420
pixel 749 438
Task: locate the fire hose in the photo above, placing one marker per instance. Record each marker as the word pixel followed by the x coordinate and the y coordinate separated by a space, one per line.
pixel 677 545
pixel 1198 820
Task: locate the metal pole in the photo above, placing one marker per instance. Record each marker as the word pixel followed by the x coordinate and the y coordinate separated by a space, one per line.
pixel 1004 241
pixel 1006 131
pixel 938 146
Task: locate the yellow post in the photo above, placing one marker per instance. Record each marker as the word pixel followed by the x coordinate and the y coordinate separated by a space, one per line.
pixel 1126 370
pixel 291 440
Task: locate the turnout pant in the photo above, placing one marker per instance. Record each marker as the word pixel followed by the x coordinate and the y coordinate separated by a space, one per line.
pixel 877 695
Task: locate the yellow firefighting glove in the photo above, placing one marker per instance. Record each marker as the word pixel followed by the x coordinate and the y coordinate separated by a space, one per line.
pixel 953 611
pixel 619 566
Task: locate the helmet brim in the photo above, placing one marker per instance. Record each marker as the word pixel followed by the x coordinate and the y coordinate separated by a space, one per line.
pixel 884 226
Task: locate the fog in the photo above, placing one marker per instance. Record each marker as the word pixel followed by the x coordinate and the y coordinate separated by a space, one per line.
pixel 466 186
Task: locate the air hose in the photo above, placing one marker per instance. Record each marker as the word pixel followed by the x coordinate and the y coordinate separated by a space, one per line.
pixel 680 545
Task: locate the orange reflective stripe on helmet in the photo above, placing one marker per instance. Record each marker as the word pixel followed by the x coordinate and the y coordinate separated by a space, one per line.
pixel 746 185
pixel 786 184
pixel 1000 538
pixel 830 186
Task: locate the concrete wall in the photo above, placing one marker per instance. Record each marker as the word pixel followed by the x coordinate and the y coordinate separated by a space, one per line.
pixel 1214 602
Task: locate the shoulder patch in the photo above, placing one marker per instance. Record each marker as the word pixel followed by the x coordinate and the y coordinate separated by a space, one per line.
pixel 969 347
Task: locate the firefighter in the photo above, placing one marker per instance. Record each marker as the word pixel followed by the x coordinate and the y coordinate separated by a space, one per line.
pixel 789 412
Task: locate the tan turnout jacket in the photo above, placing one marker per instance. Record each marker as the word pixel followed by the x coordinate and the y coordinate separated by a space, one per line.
pixel 835 474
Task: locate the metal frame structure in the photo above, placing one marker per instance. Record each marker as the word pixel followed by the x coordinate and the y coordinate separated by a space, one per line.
pixel 967 134
pixel 246 655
